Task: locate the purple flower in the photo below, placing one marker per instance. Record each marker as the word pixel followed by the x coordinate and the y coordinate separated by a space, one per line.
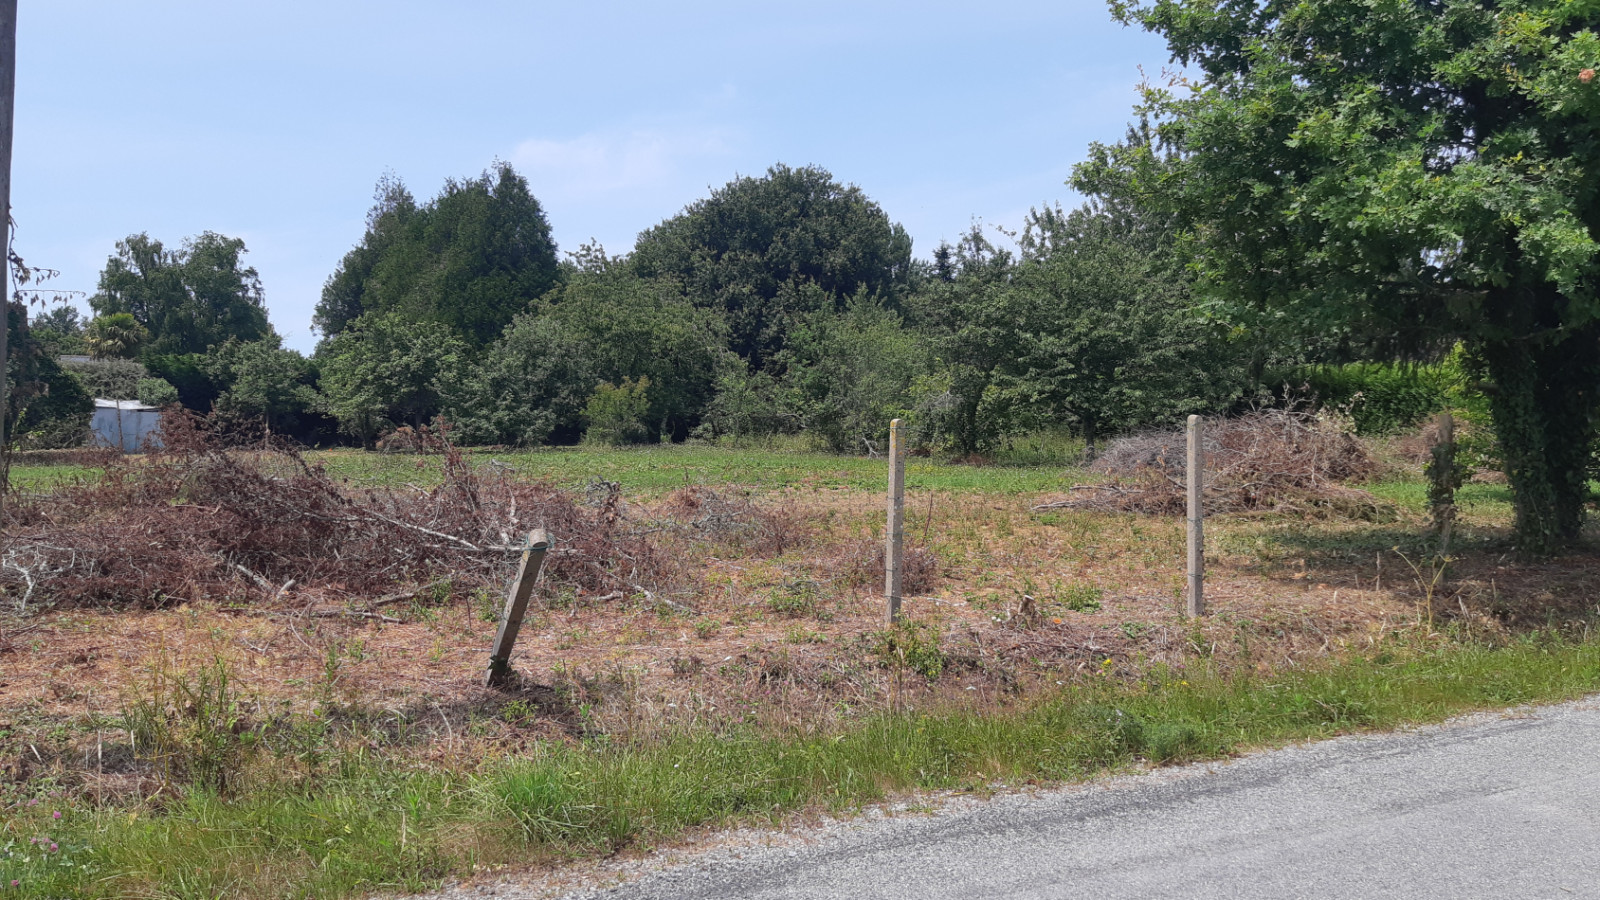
pixel 56 814
pixel 34 801
pixel 53 847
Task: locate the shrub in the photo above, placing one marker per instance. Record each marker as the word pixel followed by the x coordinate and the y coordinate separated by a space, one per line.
pixel 113 379
pixel 1381 398
pixel 616 412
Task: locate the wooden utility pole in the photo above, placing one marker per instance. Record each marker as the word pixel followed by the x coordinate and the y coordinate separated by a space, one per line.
pixel 895 536
pixel 516 605
pixel 8 94
pixel 1197 551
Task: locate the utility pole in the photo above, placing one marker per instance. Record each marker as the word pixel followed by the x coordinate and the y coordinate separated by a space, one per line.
pixel 8 96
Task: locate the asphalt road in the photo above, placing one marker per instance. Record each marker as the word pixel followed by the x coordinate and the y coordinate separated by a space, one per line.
pixel 1503 806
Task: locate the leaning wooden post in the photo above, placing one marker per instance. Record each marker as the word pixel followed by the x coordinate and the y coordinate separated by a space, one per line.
pixel 895 537
pixel 516 605
pixel 1197 552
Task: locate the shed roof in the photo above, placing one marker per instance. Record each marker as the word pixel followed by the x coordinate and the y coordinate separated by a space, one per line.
pixel 124 405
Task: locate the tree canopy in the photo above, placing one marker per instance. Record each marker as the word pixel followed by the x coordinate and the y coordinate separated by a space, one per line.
pixel 1426 170
pixel 766 252
pixel 187 299
pixel 471 259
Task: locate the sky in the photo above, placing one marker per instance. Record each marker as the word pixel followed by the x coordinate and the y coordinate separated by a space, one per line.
pixel 272 121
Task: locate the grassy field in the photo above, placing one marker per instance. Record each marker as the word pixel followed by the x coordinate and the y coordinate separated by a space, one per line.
pixel 304 743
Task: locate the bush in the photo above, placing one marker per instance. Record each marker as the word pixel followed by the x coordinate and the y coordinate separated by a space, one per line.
pixel 112 379
pixel 1381 398
pixel 156 392
pixel 616 412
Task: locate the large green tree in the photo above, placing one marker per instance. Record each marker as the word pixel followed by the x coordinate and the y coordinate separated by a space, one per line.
pixel 187 299
pixel 385 370
pixel 1405 166
pixel 633 328
pixel 768 252
pixel 471 259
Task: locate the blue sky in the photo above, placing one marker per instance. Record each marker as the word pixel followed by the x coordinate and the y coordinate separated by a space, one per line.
pixel 271 121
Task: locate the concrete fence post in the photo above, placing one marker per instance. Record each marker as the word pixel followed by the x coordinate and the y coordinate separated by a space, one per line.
pixel 1197 551
pixel 895 535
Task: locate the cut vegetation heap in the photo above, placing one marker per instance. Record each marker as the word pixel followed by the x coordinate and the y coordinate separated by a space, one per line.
pixel 1267 460
pixel 202 521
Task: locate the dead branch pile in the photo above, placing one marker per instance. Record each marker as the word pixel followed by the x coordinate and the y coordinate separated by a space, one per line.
pixel 1269 459
pixel 204 521
pixel 732 522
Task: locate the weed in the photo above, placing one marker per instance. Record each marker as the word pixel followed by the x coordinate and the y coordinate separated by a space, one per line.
pixel 1081 597
pixel 705 628
pixel 796 599
pixel 191 725
pixel 909 645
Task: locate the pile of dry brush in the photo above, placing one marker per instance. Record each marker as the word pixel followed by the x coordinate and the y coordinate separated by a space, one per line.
pixel 209 519
pixel 1268 459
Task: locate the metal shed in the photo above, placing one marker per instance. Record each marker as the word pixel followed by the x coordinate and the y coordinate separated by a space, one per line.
pixel 125 425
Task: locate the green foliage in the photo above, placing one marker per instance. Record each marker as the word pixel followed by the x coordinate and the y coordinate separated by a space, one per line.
pixel 848 374
pixel 45 406
pixel 746 404
pixel 909 645
pixel 262 380
pixel 529 385
pixel 187 299
pixel 768 252
pixel 1093 326
pixel 156 392
pixel 471 259
pixel 112 379
pixel 631 328
pixel 186 372
pixel 1382 398
pixel 59 331
pixel 386 370
pixel 615 412
pixel 114 336
pixel 1423 171
pixel 192 725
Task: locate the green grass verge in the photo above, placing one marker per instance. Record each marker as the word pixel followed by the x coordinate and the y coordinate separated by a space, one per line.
pixel 371 823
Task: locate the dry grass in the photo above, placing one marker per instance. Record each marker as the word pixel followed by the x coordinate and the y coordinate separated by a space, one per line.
pixel 702 609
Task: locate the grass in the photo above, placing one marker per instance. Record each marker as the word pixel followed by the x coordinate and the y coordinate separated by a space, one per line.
pixel 370 822
pixel 655 470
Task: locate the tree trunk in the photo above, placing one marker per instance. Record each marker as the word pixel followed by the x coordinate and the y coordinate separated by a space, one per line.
pixel 1543 403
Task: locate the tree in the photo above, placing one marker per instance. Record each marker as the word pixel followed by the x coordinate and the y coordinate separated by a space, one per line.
pixel 1102 333
pixel 262 380
pixel 767 252
pixel 527 388
pixel 45 406
pixel 1421 168
pixel 846 375
pixel 114 336
pixel 59 331
pixel 386 370
pixel 472 259
pixel 630 328
pixel 188 299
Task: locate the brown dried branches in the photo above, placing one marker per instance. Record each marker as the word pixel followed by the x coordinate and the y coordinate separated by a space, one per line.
pixel 1270 459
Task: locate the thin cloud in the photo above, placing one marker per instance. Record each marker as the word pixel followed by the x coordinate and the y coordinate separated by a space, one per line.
pixel 596 163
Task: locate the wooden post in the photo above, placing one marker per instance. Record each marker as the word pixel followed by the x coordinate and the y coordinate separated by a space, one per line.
pixel 516 605
pixel 8 93
pixel 895 536
pixel 1444 460
pixel 1197 552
